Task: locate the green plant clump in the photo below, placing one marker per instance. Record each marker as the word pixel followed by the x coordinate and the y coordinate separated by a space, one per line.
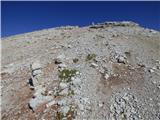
pixel 75 60
pixel 66 74
pixel 59 116
pixel 90 57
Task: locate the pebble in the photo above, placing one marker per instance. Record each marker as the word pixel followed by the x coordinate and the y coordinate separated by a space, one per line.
pixel 97 59
pixel 81 107
pixel 101 71
pixel 36 72
pixel 60 59
pixel 154 82
pixel 158 61
pixel 62 66
pixel 106 76
pixel 63 85
pixel 100 105
pixel 153 31
pixel 50 92
pixel 76 80
pixel 36 65
pixel 151 70
pixel 50 103
pixel 64 92
pixel 94 65
pixel 62 102
pixel 65 109
pixel 69 46
pixel 77 73
pixel 154 68
pixel 121 59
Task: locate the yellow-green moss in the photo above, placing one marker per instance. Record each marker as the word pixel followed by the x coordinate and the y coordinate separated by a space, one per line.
pixel 66 74
pixel 90 57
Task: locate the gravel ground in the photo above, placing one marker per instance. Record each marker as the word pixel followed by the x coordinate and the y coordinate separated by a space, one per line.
pixel 107 71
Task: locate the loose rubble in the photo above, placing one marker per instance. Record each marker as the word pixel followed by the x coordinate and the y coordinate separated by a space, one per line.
pixel 38 97
pixel 105 71
pixel 124 106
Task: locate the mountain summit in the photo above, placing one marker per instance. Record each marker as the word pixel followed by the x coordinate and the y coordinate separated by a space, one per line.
pixel 104 71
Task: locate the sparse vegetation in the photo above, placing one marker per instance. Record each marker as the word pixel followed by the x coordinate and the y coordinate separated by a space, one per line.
pixel 70 113
pixel 59 116
pixel 95 74
pixel 124 117
pixel 90 57
pixel 71 92
pixel 28 42
pixel 66 74
pixel 75 60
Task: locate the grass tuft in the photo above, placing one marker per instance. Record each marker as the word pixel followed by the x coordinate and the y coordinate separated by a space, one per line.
pixel 66 74
pixel 75 60
pixel 90 57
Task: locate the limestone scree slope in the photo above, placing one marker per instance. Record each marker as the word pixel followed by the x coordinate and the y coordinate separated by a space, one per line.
pixel 105 71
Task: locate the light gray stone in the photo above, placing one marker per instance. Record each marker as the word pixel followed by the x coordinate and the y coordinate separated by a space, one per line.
pixel 65 109
pixel 51 103
pixel 62 65
pixel 106 76
pixel 64 92
pixel 63 85
pixel 39 100
pixel 151 70
pixel 121 59
pixel 60 59
pixel 94 65
pixel 36 65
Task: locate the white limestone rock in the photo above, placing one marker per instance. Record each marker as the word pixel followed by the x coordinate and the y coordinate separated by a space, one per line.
pixel 63 85
pixel 51 103
pixel 36 65
pixel 39 100
pixel 60 59
pixel 94 65
pixel 64 92
pixel 106 76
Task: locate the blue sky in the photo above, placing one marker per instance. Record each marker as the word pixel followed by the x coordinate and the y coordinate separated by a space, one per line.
pixel 20 17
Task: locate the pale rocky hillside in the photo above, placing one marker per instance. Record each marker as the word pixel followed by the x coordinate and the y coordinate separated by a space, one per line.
pixel 107 71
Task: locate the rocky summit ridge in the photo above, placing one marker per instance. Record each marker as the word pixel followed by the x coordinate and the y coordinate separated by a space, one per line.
pixel 104 71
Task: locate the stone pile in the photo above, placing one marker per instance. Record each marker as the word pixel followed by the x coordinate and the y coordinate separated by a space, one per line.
pixel 113 24
pixel 36 83
pixel 124 107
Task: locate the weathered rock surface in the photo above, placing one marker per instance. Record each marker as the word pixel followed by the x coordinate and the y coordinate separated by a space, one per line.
pixel 105 71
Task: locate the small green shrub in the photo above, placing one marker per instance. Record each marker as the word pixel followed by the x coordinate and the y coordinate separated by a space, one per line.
pixel 28 42
pixel 66 74
pixel 90 57
pixel 71 113
pixel 59 116
pixel 75 60
pixel 71 92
